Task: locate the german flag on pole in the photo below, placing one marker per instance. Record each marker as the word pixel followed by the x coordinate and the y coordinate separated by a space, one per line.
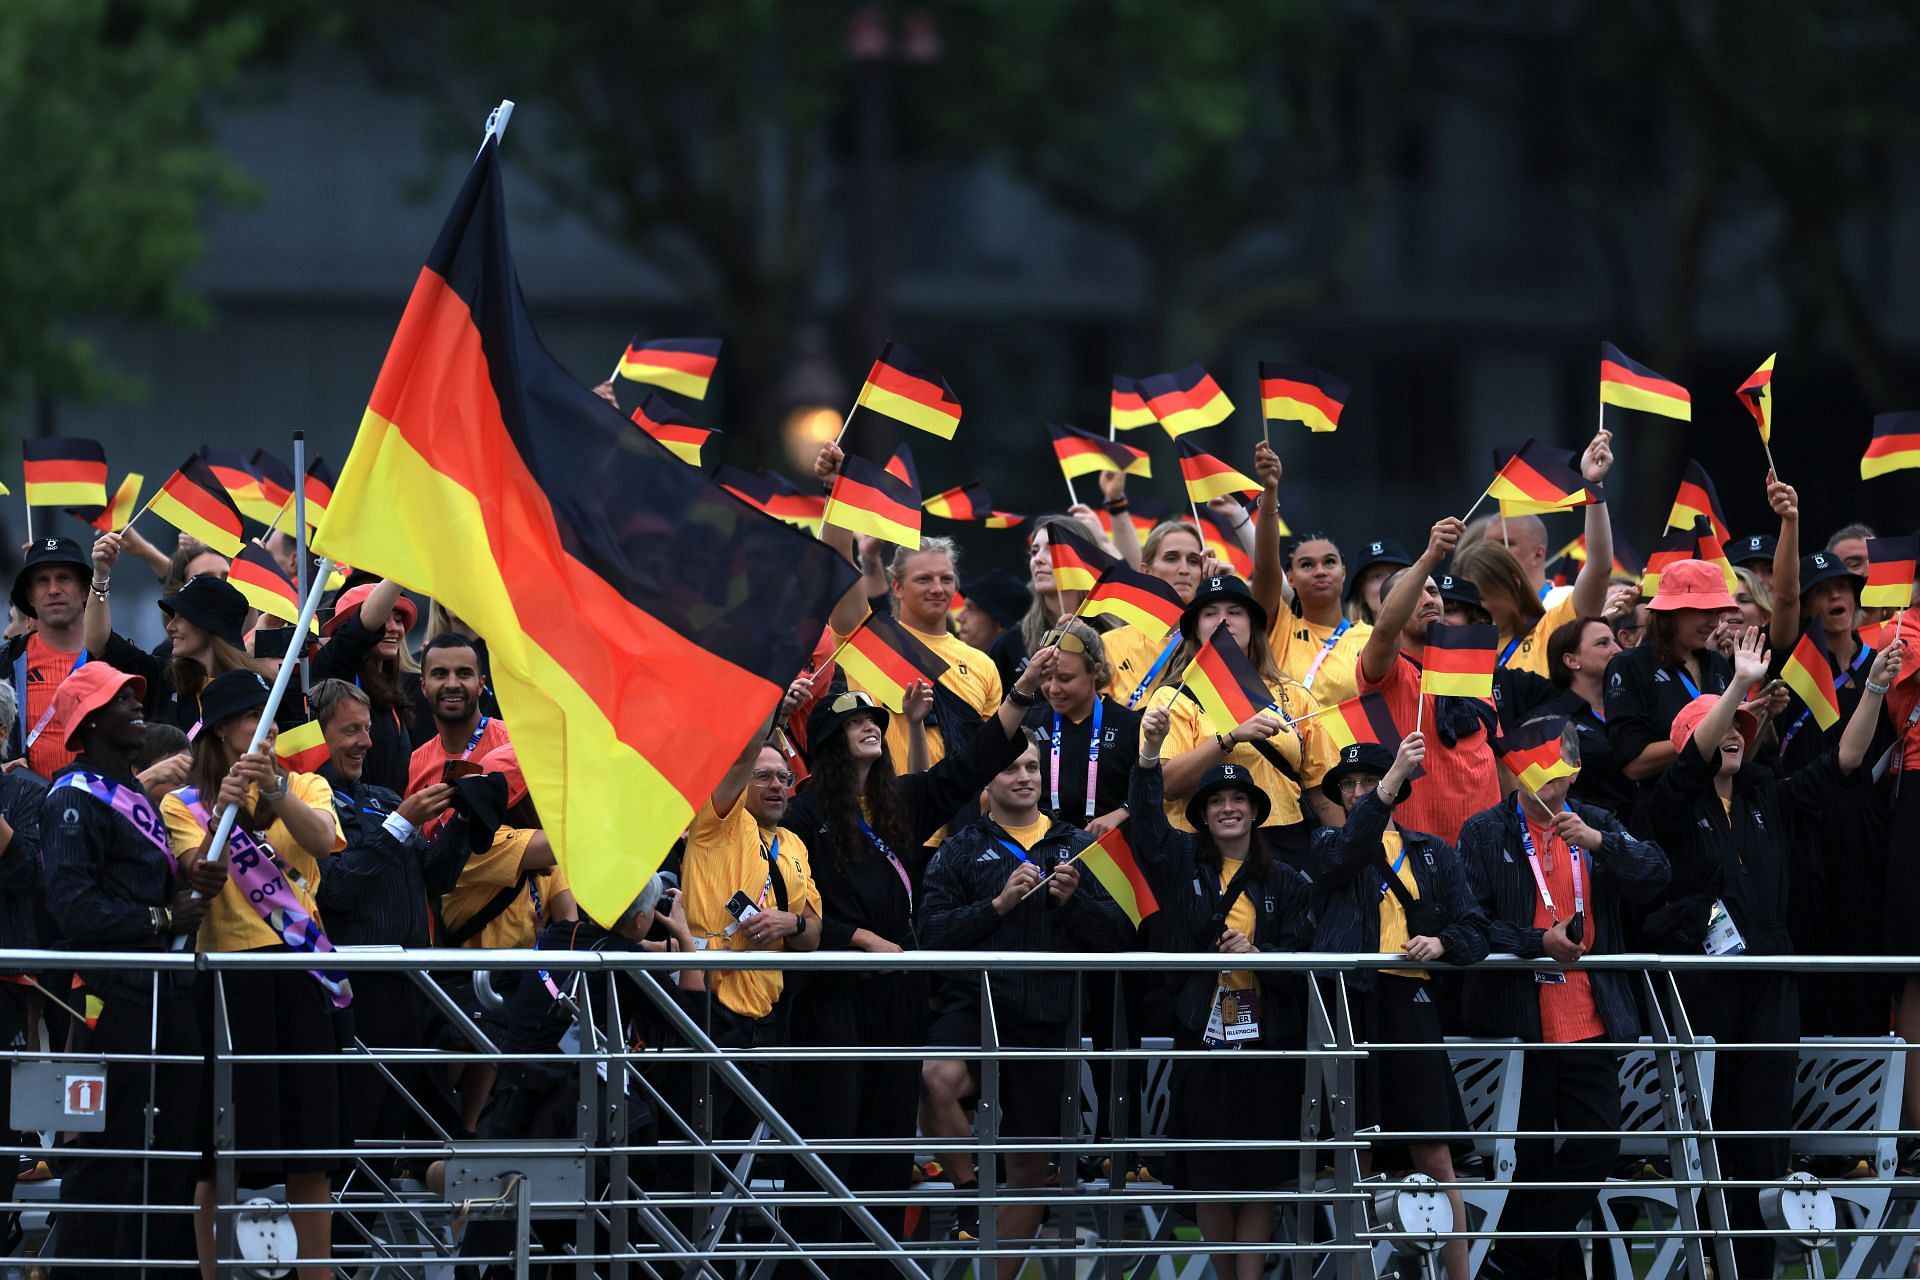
pixel 1208 478
pixel 114 516
pixel 1362 719
pixel 969 501
pixel 1459 661
pixel 1077 561
pixel 486 477
pixel 1632 385
pixel 237 477
pixel 1110 860
pixel 1708 547
pixel 256 574
pixel 1809 673
pixel 1295 393
pixel 1757 394
pixel 1890 570
pixel 1126 407
pixel 882 658
pixel 275 476
pixel 903 468
pixel 682 365
pixel 1895 445
pixel 677 433
pixel 195 502
pixel 867 500
pixel 1673 546
pixel 1133 597
pixel 1185 401
pixel 319 486
pixel 64 472
pixel 1003 520
pixel 1697 500
pixel 1533 752
pixel 904 389
pixel 1225 542
pixel 774 494
pixel 1220 676
pixel 303 748
pixel 1536 478
pixel 1082 453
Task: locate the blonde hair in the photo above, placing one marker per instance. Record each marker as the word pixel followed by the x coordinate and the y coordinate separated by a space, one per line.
pixel 1096 651
pixel 1757 589
pixel 1151 547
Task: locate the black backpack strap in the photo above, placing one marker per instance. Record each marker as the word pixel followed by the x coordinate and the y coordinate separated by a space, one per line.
pixel 487 914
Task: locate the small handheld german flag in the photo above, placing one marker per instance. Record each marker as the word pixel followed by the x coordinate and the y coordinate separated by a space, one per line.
pixel 1110 860
pixel 1757 394
pixel 1003 520
pixel 883 658
pixel 237 477
pixel 1632 385
pixel 902 387
pixel 1697 500
pixel 1296 393
pixel 902 467
pixel 1126 407
pixel 319 486
pixel 1082 453
pixel 1459 661
pixel 276 481
pixel 679 434
pixel 867 500
pixel 1078 561
pixel 681 365
pixel 1221 539
pixel 303 748
pixel 1809 673
pixel 114 516
pixel 1534 753
pixel 1890 570
pixel 256 574
pixel 1895 445
pixel 1671 547
pixel 1230 691
pixel 1136 598
pixel 195 502
pixel 774 494
pixel 1536 478
pixel 1207 477
pixel 968 501
pixel 64 472
pixel 1187 400
pixel 1364 719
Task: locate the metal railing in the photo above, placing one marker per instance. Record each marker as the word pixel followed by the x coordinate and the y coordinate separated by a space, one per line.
pixel 606 1196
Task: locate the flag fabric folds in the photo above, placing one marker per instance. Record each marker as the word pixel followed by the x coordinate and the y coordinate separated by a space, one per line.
pixel 1890 570
pixel 1187 400
pixel 902 467
pixel 623 596
pixel 195 502
pixel 1126 407
pixel 682 365
pixel 882 658
pixel 257 576
pixel 119 508
pixel 1536 478
pixel 1110 860
pixel 1003 520
pixel 1224 541
pixel 677 433
pixel 1895 445
pixel 1809 673
pixel 242 483
pixel 1230 690
pixel 1082 453
pixel 1757 394
pixel 1697 500
pixel 1697 543
pixel 1078 561
pixel 275 477
pixel 1533 753
pixel 773 493
pixel 904 389
pixel 866 499
pixel 1459 661
pixel 1364 719
pixel 303 748
pixel 1207 477
pixel 319 486
pixel 968 501
pixel 1126 594
pixel 1632 385
pixel 64 472
pixel 1295 393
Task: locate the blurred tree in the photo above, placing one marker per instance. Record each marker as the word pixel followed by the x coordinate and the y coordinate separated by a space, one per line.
pixel 109 166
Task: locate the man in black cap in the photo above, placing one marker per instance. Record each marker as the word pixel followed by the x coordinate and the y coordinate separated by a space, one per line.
pixel 1378 560
pixel 51 588
pixel 1755 552
pixel 990 620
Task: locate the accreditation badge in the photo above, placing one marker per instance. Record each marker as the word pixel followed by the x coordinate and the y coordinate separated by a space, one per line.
pixel 1235 1017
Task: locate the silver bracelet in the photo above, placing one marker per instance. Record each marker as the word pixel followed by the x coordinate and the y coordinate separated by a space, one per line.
pixel 1880 689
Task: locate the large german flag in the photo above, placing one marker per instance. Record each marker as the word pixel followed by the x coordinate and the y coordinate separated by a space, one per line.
pixel 1295 393
pixel 1366 718
pixel 866 499
pixel 1536 478
pixel 677 433
pixel 968 501
pixel 1185 401
pixel 640 621
pixel 1133 597
pixel 1632 385
pixel 1757 394
pixel 1459 661
pixel 275 476
pixel 1230 690
pixel 256 574
pixel 1082 453
pixel 1110 859
pixel 195 502
pixel 1895 445
pixel 1126 407
pixel 902 387
pixel 1533 752
pixel 773 493
pixel 64 472
pixel 1697 500
pixel 1809 673
pixel 683 365
pixel 1078 561
pixel 882 658
pixel 1890 570
pixel 119 509
pixel 1207 477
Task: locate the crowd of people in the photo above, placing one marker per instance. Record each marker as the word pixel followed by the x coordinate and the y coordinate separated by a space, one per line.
pixel 1709 810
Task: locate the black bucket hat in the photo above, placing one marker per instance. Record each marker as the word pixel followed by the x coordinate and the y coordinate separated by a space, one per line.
pixel 999 595
pixel 1224 587
pixel 1755 548
pixel 1361 757
pixel 1374 554
pixel 230 693
pixel 834 710
pixel 1457 589
pixel 49 551
pixel 1227 777
pixel 1824 566
pixel 213 604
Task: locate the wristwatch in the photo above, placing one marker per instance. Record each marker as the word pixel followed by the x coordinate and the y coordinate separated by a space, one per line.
pixel 281 793
pixel 162 920
pixel 1020 699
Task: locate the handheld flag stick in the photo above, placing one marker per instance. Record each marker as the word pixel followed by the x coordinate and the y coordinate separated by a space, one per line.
pixel 1503 530
pixel 1195 508
pixel 847 422
pixel 223 829
pixel 1072 497
pixel 1768 449
pixel 142 511
pixel 300 534
pixel 1056 866
pixel 1476 504
pixel 25 502
pixel 1419 710
pixel 278 516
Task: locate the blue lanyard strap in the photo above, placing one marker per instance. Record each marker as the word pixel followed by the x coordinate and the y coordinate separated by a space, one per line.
pixel 474 741
pixel 1840 681
pixel 1507 653
pixel 1146 681
pixel 1398 863
pixel 1693 690
pixel 1013 848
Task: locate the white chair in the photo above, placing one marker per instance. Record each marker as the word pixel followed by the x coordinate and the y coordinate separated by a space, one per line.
pixel 1643 1128
pixel 1838 1090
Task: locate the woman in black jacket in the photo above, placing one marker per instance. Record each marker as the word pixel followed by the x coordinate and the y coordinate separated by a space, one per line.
pixel 1222 890
pixel 864 829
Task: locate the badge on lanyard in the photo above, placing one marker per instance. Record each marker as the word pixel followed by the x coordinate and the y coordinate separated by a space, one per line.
pixel 1235 1017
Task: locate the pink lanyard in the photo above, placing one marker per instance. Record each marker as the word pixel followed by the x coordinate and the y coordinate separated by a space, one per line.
pixel 1093 757
pixel 1533 861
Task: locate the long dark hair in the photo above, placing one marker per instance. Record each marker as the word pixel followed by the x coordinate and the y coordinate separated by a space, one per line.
pixel 834 772
pixel 1207 854
pixel 209 769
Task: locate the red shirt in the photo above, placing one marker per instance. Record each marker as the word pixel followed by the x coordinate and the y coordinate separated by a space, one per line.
pixel 1903 698
pixel 47 669
pixel 1459 780
pixel 430 757
pixel 1567 1012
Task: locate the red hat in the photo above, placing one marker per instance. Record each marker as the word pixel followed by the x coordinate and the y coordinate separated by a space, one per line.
pixel 353 597
pixel 86 691
pixel 504 759
pixel 1692 584
pixel 1689 717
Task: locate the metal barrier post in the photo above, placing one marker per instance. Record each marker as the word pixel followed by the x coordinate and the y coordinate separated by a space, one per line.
pixel 1066 1223
pixel 1680 1112
pixel 620 1128
pixel 586 1118
pixel 986 1124
pixel 1336 1026
pixel 225 1172
pixel 1713 1195
pixel 1120 1103
pixel 522 1227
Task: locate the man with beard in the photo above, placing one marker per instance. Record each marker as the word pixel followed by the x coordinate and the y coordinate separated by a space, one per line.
pixel 51 589
pixel 450 683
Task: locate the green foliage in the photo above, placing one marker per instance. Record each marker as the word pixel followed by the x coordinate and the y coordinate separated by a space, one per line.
pixel 108 167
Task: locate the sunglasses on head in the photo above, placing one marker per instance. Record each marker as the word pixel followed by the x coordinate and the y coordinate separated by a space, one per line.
pixel 1065 641
pixel 852 701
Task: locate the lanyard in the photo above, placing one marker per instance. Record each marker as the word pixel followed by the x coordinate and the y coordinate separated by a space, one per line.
pixel 1014 848
pixel 1093 755
pixel 1507 653
pixel 1693 690
pixel 1146 681
pixel 1533 860
pixel 474 741
pixel 899 867
pixel 772 853
pixel 1398 863
pixel 1326 647
pixel 40 725
pixel 1839 682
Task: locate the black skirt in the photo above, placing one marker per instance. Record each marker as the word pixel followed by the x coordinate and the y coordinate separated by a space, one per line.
pixel 1227 1096
pixel 276 1106
pixel 1408 1091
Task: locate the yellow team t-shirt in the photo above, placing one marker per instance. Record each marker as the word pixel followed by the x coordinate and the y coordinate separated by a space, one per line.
pixel 730 855
pixel 487 874
pixel 1297 648
pixel 1531 654
pixel 1306 748
pixel 1393 916
pixel 1031 834
pixel 1131 653
pixel 970 674
pixel 232 924
pixel 1240 916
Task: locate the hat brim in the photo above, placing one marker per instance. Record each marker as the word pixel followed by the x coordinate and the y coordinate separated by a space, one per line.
pixel 1330 785
pixel 233 635
pixel 1359 571
pixel 1197 805
pixel 1705 603
pixel 96 701
pixel 1833 575
pixel 835 721
pixel 84 567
